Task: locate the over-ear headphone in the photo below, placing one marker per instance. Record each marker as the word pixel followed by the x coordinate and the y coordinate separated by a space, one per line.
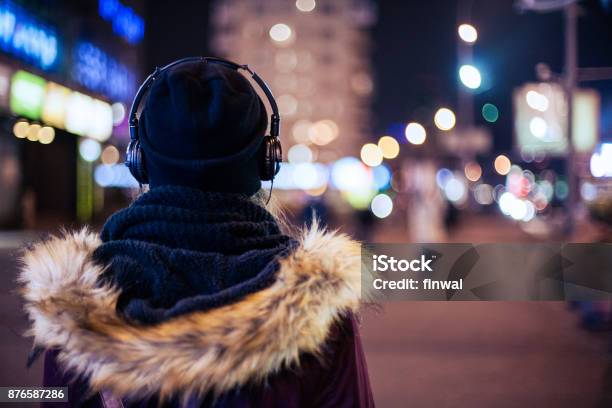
pixel 270 153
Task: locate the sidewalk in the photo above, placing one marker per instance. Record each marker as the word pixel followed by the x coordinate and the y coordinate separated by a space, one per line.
pixel 482 354
pixel 11 240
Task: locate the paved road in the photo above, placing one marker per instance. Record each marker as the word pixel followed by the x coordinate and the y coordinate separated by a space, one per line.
pixel 14 348
pixel 482 354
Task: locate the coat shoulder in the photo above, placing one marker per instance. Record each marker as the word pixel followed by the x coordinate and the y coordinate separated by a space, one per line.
pixel 317 285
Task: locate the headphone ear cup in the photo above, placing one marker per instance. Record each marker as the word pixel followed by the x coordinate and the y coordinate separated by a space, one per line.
pixel 278 155
pixel 270 158
pixel 135 162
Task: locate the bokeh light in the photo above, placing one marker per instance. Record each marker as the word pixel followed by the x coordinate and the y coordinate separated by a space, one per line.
pixel 382 205
pixel 490 113
pixel 305 176
pixel 110 155
pixel 505 202
pixel 470 76
pixel 483 194
pixel 46 135
pixel 89 150
pixel 118 113
pixel 498 190
pixel 381 177
pixel 443 176
pixel 300 131
pixel 359 199
pixel 32 133
pixel 299 153
pixel 561 189
pixel 444 119
pixel 371 155
pixel 315 192
pixel 467 33
pixel 518 209
pixel 20 129
pixel 280 32
pixel 588 191
pixel 530 211
pixel 502 164
pixel 305 5
pixel 350 174
pixel 538 127
pixel 601 161
pixel 104 175
pixel 323 132
pixel 455 190
pixel 473 171
pixel 116 175
pixel 389 147
pixel 415 133
pixel 537 101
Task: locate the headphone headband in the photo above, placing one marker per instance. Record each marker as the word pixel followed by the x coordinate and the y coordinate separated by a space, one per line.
pixel 146 85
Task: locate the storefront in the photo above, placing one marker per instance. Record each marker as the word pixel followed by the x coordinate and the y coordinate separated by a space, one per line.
pixel 63 98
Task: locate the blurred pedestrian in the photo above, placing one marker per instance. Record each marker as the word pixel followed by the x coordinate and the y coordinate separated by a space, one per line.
pixel 315 211
pixel 195 295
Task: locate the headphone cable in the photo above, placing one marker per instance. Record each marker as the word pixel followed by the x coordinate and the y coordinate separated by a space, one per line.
pixel 270 194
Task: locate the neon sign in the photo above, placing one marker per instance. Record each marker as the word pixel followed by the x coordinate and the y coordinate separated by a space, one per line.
pixel 54 106
pixel 98 72
pixel 27 94
pixel 26 38
pixel 125 21
pixel 33 97
pixel 87 116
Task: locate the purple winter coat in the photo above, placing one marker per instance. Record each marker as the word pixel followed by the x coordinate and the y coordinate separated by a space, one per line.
pixel 340 380
pixel 293 344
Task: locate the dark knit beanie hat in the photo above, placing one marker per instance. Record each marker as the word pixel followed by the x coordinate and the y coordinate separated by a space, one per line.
pixel 203 124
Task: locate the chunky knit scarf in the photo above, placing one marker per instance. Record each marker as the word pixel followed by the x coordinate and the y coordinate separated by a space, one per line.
pixel 176 250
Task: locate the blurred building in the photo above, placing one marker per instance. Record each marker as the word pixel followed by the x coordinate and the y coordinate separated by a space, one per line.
pixel 67 72
pixel 315 55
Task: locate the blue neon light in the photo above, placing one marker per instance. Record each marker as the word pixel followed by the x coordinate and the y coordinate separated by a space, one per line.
pixel 25 38
pixel 125 21
pixel 98 72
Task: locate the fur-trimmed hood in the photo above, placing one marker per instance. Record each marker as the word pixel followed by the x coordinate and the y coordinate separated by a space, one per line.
pixel 207 351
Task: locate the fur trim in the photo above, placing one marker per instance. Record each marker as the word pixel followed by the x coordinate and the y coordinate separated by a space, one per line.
pixel 215 350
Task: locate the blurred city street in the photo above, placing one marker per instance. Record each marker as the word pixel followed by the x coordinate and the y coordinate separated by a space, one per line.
pixel 438 122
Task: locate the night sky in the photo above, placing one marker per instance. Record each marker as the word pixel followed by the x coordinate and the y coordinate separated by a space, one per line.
pixel 414 54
